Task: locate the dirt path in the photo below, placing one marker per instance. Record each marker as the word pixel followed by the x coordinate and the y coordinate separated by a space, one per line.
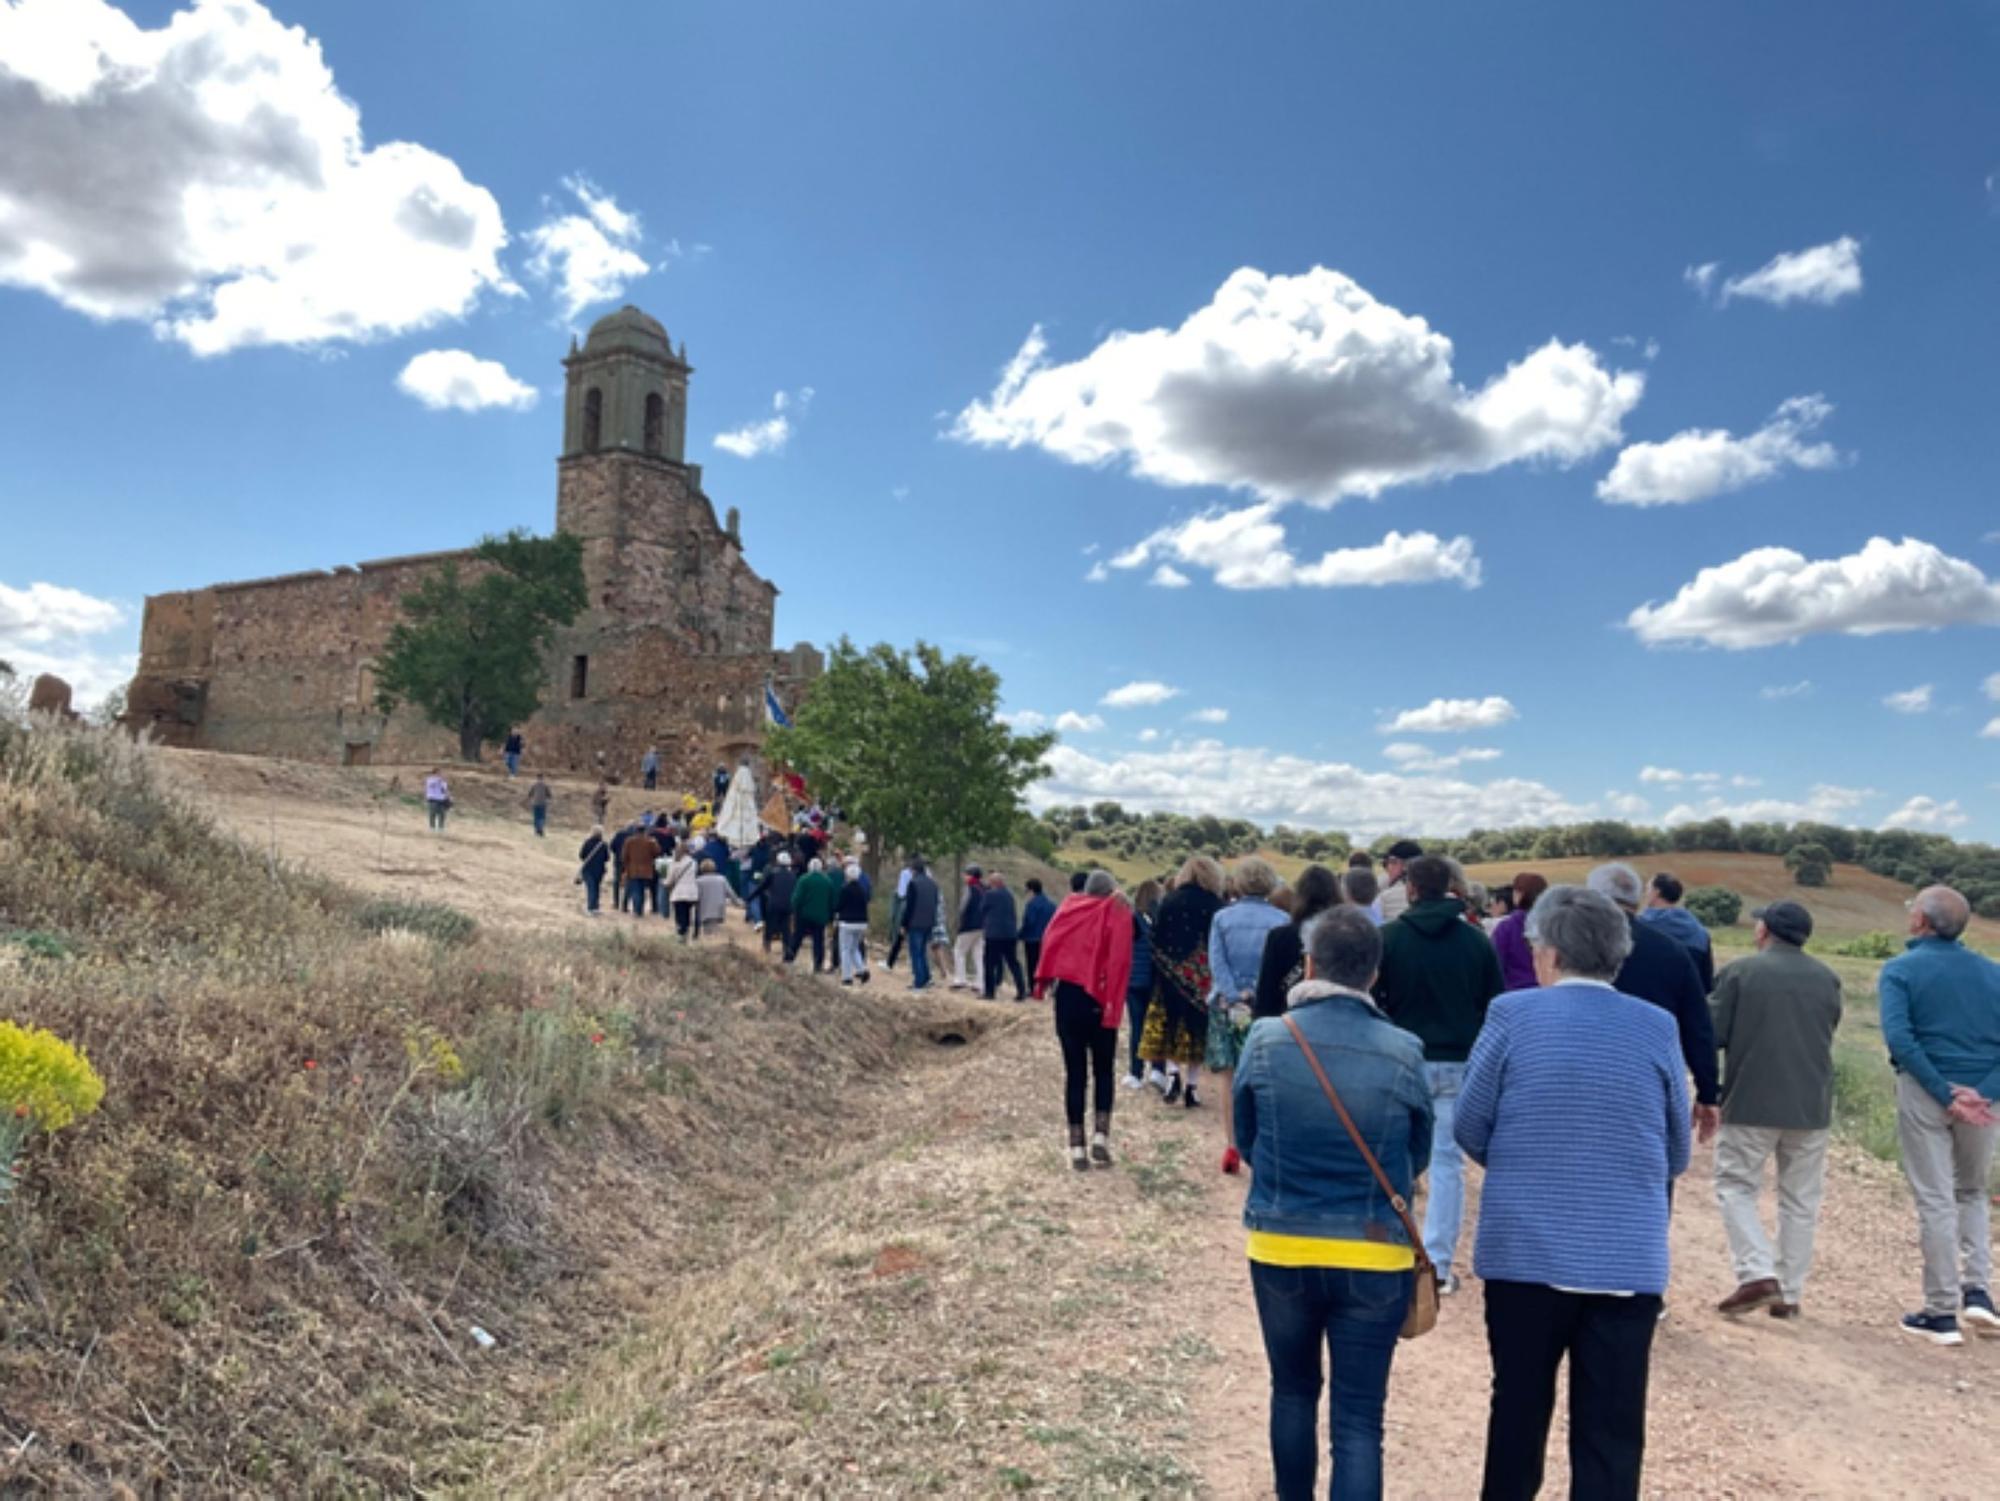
pixel 1838 1404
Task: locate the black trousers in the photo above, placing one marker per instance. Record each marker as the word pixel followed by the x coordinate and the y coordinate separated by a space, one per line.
pixel 1033 949
pixel 778 930
pixel 1609 1342
pixel 1001 951
pixel 1088 1046
pixel 801 932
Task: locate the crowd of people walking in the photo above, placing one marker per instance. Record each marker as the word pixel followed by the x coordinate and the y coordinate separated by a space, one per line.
pixel 1366 1032
pixel 1370 1034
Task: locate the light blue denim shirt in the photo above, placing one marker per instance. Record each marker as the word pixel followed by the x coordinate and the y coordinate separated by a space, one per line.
pixel 1236 937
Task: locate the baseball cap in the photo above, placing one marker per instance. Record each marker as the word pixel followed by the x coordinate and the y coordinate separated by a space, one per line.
pixel 1786 920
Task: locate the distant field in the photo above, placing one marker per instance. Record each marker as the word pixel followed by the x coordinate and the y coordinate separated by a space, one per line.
pixel 1854 901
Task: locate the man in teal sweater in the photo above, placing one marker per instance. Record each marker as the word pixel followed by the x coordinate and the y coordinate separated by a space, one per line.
pixel 1941 1020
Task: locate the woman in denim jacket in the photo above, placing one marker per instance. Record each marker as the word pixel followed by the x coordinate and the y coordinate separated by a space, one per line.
pixel 1330 1263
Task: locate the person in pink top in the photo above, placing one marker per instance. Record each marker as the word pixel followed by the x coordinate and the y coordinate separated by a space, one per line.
pixel 1086 961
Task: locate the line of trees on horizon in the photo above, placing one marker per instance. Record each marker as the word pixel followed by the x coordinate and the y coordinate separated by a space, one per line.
pixel 1810 849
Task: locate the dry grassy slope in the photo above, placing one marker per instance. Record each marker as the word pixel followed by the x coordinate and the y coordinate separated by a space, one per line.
pixel 256 1269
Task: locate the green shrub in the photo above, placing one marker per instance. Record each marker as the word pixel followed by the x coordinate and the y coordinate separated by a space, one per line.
pixel 36 943
pixel 1812 873
pixel 1871 946
pixel 430 919
pixel 1715 906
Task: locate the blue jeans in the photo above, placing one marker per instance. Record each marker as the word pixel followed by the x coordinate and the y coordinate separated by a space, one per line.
pixel 1445 1210
pixel 920 962
pixel 593 887
pixel 541 812
pixel 1354 1318
pixel 513 759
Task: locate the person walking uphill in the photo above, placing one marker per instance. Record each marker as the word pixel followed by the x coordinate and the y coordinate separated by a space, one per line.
pixel 1775 1014
pixel 1576 1104
pixel 1439 973
pixel 812 910
pixel 780 883
pixel 437 798
pixel 851 911
pixel 1176 1030
pixel 1236 937
pixel 637 858
pixel 592 858
pixel 538 804
pixel 1001 929
pixel 1036 914
pixel 1087 963
pixel 1661 970
pixel 921 906
pixel 680 888
pixel 968 956
pixel 1941 1020
pixel 1330 1258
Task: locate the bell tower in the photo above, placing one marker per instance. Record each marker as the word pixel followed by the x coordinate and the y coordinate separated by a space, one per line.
pixel 627 390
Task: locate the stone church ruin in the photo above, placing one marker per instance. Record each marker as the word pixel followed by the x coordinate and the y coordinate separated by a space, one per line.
pixel 674 649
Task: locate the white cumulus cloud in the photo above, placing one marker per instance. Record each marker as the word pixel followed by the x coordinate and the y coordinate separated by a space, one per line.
pixel 1927 813
pixel 1824 803
pixel 49 628
pixel 770 435
pixel 1299 388
pixel 590 254
pixel 1148 735
pixel 208 177
pixel 1915 700
pixel 1992 730
pixel 1786 690
pixel 1139 695
pixel 1072 723
pixel 1246 548
pixel 1273 787
pixel 1452 716
pixel 1166 576
pixel 1210 716
pixel 1991 687
pixel 1703 462
pixel 1410 756
pixel 1772 595
pixel 452 378
pixel 1821 274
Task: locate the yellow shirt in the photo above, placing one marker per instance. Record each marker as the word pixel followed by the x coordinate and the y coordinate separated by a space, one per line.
pixel 1273 1249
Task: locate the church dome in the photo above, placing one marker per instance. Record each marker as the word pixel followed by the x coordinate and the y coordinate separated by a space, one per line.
pixel 628 329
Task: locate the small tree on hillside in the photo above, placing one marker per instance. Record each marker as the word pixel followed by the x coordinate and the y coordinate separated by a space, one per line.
pixel 1810 864
pixel 469 650
pixel 909 746
pixel 1715 906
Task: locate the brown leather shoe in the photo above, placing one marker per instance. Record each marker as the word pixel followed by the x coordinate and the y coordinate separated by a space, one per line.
pixel 1750 1297
pixel 1783 1310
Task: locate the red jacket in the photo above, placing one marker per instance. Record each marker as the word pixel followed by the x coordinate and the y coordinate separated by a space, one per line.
pixel 1089 943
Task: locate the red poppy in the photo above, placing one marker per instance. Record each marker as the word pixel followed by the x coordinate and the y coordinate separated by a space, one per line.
pixel 597 1037
pixel 311 1064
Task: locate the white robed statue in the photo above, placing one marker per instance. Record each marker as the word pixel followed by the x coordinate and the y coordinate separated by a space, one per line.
pixel 736 820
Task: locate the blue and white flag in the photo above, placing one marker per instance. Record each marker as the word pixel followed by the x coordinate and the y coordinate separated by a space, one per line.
pixel 774 712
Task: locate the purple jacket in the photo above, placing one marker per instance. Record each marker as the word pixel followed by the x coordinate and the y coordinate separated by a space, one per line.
pixel 1517 960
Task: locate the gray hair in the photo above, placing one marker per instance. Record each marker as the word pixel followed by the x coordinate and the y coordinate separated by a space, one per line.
pixel 1944 909
pixel 1100 883
pixel 1621 883
pixel 1588 933
pixel 1346 947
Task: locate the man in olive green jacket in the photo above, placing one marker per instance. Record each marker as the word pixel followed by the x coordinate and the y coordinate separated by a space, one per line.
pixel 1775 1015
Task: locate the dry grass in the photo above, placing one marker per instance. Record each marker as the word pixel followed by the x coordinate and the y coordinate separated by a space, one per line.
pixel 949 1310
pixel 326 1152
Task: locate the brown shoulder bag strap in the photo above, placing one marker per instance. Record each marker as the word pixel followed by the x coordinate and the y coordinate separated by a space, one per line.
pixel 1396 1200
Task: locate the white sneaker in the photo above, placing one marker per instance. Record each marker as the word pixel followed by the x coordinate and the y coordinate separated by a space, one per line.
pixel 1156 1080
pixel 1131 1081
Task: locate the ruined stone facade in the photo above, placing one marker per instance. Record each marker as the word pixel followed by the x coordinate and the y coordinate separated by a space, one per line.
pixel 674 650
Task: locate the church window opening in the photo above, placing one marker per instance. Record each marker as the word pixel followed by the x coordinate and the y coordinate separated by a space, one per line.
pixel 593 419
pixel 579 676
pixel 656 422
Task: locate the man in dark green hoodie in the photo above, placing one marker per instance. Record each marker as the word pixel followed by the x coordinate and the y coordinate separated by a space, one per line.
pixel 1439 972
pixel 812 910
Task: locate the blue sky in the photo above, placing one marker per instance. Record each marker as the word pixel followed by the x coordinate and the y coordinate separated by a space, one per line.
pixel 1298 277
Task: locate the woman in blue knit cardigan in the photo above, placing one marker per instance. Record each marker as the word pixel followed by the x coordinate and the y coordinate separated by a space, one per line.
pixel 1576 1103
